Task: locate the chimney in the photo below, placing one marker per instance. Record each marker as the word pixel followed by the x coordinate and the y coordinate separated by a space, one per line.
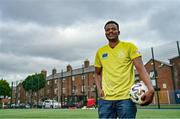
pixel 53 71
pixel 69 68
pixel 86 63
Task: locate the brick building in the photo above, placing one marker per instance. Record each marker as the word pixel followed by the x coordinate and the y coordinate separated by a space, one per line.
pixel 176 69
pixel 164 80
pixel 72 83
pixel 21 94
pixel 176 76
pixel 78 84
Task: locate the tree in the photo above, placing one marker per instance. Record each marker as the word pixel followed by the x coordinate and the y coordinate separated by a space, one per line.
pixel 5 89
pixel 34 82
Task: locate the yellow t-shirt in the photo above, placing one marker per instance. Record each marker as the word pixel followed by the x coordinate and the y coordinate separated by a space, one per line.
pixel 117 69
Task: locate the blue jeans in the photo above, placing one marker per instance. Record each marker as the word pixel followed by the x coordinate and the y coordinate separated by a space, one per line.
pixel 116 108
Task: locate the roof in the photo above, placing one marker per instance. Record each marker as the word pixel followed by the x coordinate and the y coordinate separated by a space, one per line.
pixel 77 71
pixel 175 57
pixel 162 62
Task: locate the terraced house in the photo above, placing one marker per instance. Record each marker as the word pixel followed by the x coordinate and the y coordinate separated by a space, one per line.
pixel 75 86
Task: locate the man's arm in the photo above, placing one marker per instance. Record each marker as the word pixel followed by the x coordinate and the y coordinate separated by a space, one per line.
pixel 98 80
pixel 148 96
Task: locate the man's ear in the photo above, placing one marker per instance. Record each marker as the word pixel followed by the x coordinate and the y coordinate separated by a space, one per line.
pixel 119 32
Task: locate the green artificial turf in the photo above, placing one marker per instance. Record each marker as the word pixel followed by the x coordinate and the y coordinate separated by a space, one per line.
pixel 81 113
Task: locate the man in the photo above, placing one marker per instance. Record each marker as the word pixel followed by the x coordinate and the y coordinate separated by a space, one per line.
pixel 114 64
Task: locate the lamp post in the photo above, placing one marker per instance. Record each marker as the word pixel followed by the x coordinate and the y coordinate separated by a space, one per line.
pixel 16 100
pixel 11 94
pixel 178 48
pixel 31 81
pixel 58 92
pixel 38 92
pixel 52 81
pixel 83 85
pixel 62 93
pixel 72 87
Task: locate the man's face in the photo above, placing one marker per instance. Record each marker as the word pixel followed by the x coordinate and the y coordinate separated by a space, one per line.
pixel 112 32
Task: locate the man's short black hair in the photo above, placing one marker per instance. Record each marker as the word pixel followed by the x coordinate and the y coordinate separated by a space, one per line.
pixel 112 22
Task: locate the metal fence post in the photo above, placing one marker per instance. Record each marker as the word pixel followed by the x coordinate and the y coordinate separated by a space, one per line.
pixel 155 77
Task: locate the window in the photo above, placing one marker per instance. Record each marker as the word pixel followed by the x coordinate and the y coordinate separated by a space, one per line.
pixel 73 78
pixel 83 77
pixel 164 85
pixel 151 74
pixel 93 75
pixel 152 77
pixel 92 89
pixel 55 81
pixel 47 91
pixel 26 94
pixel 18 95
pixel 64 90
pixel 153 82
pixel 83 88
pixel 74 90
pixel 55 90
pixel 48 83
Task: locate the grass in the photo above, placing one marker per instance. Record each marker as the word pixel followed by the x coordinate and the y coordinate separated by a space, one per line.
pixel 81 113
pixel 158 113
pixel 165 106
pixel 48 113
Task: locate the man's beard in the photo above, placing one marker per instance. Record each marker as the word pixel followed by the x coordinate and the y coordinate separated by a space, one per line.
pixel 113 39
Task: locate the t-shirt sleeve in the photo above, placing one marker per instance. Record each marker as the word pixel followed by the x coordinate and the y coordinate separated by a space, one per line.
pixel 97 62
pixel 134 52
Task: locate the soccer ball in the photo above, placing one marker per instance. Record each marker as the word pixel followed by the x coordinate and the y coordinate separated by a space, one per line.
pixel 137 91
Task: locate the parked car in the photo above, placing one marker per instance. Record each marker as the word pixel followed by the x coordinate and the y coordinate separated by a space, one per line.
pixel 51 104
pixel 64 105
pixel 22 105
pixel 27 106
pixel 13 105
pixel 79 104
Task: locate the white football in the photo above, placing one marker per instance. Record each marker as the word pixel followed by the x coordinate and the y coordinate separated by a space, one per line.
pixel 137 91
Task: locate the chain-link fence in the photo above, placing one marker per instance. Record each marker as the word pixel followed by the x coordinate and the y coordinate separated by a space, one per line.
pixel 163 64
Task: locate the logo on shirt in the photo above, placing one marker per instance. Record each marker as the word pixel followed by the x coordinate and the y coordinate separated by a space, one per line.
pixel 105 56
pixel 121 54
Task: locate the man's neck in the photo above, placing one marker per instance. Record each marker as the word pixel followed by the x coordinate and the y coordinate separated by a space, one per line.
pixel 112 44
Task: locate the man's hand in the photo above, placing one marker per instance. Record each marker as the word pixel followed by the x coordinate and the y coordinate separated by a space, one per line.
pixel 144 76
pixel 147 98
pixel 101 93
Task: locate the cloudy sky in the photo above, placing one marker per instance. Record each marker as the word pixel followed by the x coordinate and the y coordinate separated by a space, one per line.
pixel 47 34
